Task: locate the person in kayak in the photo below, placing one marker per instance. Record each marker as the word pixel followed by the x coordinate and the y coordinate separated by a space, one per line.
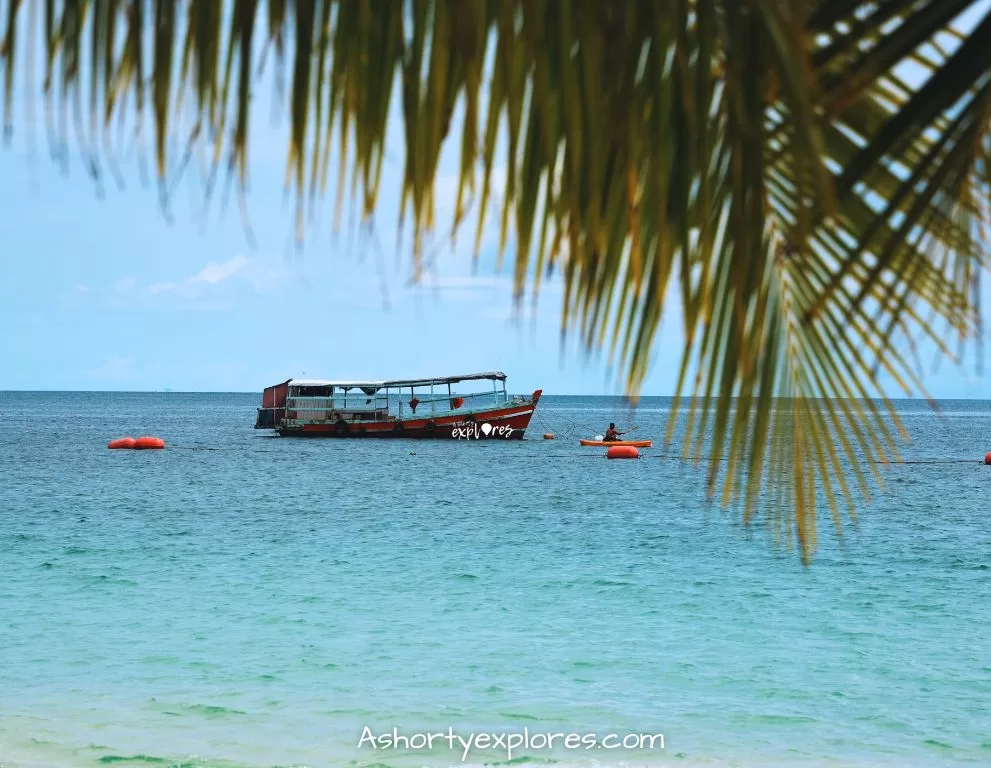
pixel 611 434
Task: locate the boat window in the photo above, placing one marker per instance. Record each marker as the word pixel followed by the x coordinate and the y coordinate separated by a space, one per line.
pixel 322 391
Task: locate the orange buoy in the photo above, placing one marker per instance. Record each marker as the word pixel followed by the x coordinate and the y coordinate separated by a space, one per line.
pixel 149 442
pixel 122 442
pixel 548 436
pixel 987 458
pixel 622 452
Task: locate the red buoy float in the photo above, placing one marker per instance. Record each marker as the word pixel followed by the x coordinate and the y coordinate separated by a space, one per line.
pixel 622 452
pixel 122 442
pixel 987 457
pixel 149 442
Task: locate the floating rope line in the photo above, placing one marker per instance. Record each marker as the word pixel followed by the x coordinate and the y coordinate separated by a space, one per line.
pixel 670 457
pixel 935 461
pixel 573 426
pixel 589 455
pixel 597 455
pixel 548 427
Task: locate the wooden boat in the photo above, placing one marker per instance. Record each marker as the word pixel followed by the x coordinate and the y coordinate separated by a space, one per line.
pixel 420 408
pixel 609 443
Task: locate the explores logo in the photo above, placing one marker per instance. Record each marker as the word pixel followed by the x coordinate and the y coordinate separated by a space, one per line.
pixel 472 430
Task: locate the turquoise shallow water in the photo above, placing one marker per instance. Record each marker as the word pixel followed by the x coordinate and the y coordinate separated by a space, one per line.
pixel 239 600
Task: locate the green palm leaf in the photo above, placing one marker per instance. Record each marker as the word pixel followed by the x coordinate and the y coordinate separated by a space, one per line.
pixel 773 163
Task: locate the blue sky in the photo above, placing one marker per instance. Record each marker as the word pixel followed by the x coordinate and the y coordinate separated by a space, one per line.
pixel 105 294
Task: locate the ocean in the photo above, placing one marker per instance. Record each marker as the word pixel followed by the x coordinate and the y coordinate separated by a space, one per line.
pixel 241 600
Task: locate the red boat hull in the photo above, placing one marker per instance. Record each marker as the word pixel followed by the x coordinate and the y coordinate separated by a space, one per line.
pixel 506 423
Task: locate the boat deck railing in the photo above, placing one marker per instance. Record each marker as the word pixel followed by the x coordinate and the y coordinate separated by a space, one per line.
pixel 359 407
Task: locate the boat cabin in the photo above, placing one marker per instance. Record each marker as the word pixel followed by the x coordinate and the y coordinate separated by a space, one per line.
pixel 298 402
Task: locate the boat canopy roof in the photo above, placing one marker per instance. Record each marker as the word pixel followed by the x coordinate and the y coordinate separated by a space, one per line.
pixel 396 383
pixel 328 383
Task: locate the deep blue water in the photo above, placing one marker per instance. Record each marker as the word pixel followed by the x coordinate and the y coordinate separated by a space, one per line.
pixel 241 600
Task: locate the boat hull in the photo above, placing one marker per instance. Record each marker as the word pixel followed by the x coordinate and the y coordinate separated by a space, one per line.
pixel 509 423
pixel 610 443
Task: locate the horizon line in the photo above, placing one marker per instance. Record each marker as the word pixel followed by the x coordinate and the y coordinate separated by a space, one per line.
pixel 685 397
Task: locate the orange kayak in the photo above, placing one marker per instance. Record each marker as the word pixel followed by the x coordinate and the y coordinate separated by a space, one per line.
pixel 607 443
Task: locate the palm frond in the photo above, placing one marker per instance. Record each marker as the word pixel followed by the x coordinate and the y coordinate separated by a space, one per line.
pixel 774 163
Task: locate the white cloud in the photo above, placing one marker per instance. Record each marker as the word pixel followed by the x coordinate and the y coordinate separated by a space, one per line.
pixel 511 315
pixel 469 282
pixel 82 289
pixel 972 380
pixel 215 272
pixel 124 285
pixel 262 276
pixel 468 289
pixel 491 290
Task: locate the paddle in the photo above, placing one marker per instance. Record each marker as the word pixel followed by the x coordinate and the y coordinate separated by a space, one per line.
pixel 633 428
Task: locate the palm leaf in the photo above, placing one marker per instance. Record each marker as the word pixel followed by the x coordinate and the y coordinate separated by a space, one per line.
pixel 772 162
